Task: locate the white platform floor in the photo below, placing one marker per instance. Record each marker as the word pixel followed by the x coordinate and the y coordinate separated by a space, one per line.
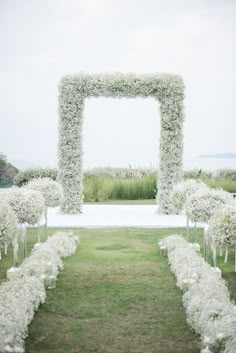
pixel 107 216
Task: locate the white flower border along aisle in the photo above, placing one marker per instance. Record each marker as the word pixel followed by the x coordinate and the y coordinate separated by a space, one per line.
pixel 21 296
pixel 168 89
pixel 206 298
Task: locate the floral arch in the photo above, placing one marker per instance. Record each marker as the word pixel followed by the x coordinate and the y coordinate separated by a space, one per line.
pixel 168 89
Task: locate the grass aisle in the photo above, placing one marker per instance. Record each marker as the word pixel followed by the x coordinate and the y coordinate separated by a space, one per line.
pixel 116 295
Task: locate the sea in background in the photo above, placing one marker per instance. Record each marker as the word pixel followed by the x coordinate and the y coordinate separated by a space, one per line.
pixel 209 163
pixel 189 163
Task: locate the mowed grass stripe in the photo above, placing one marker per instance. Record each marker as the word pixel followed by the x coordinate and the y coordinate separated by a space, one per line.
pixel 116 294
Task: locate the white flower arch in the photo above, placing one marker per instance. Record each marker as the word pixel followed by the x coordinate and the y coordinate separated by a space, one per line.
pixel 168 89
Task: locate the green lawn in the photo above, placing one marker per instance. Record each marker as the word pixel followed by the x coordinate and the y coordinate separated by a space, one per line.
pixel 115 295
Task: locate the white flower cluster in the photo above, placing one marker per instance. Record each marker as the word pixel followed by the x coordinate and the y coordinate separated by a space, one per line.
pixel 21 296
pixel 206 298
pixel 50 189
pixel 166 88
pixel 19 299
pixel 222 226
pixel 45 260
pixel 28 205
pixel 201 205
pixel 181 191
pixel 8 225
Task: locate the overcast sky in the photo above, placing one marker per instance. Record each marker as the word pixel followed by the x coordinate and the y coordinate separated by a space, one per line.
pixel 42 40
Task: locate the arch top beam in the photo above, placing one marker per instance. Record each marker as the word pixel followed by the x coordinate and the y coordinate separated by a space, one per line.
pixel 168 89
pixel 123 85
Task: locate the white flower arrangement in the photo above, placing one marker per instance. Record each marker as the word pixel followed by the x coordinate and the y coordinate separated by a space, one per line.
pixel 45 259
pixel 166 88
pixel 65 244
pixel 8 225
pixel 19 299
pixel 222 226
pixel 21 296
pixel 182 190
pixel 50 189
pixel 206 298
pixel 201 205
pixel 28 205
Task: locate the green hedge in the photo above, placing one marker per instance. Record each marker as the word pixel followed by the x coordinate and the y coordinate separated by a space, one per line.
pixel 24 176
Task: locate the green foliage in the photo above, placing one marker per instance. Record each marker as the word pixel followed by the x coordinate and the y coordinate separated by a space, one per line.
pixel 7 172
pixel 197 173
pixel 24 176
pixel 226 174
pixel 221 179
pixel 3 161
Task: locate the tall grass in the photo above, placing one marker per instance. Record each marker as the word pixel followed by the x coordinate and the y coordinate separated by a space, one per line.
pixel 226 184
pixel 108 183
pixel 104 188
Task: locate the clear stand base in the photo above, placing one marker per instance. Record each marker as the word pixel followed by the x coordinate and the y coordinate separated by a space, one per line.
pixel 13 273
pixel 195 247
pixel 217 271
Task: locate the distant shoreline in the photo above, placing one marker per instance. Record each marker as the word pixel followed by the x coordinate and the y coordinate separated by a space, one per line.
pixel 219 155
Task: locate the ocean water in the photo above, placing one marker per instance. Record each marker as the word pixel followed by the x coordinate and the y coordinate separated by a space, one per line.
pixel 209 163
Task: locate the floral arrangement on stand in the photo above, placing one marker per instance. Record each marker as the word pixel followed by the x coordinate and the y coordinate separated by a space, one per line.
pixel 182 190
pixel 206 298
pixel 21 296
pixel 52 193
pixel 28 206
pixel 8 226
pixel 201 205
pixel 74 89
pixel 222 231
pixel 50 189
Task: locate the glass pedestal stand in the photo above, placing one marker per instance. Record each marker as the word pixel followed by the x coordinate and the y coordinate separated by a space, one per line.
pixel 20 245
pixel 42 227
pixel 19 251
pixel 206 244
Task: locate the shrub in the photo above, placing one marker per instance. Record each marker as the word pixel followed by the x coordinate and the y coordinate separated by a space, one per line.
pixel 226 174
pixel 7 172
pixel 24 176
